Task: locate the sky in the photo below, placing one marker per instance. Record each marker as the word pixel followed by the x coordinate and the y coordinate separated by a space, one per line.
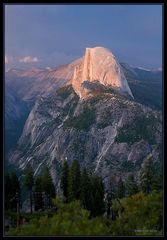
pixel 52 35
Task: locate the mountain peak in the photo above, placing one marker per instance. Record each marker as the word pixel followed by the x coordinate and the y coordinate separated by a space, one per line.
pixel 99 64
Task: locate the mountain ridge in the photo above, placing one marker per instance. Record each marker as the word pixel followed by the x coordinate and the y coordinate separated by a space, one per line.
pixel 61 126
pixel 103 130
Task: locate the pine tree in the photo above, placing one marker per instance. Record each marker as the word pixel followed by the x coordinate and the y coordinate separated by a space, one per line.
pixel 158 178
pixel 147 175
pixel 74 181
pixel 111 195
pixel 112 187
pixel 38 194
pixel 47 183
pixel 96 196
pixel 64 179
pixel 29 182
pixel 132 187
pixel 120 189
pixel 85 189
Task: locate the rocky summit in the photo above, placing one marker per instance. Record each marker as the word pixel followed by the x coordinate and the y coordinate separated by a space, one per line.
pixel 89 115
pixel 99 64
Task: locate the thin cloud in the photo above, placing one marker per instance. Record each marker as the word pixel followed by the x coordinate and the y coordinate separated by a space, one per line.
pixel 28 59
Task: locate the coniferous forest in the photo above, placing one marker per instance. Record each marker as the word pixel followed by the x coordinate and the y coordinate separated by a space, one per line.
pixel 81 205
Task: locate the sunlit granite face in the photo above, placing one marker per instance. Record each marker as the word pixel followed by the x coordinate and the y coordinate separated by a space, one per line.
pixel 99 64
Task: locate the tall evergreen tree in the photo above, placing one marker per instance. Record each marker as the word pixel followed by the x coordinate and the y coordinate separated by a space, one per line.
pixel 132 187
pixel 96 197
pixel 47 183
pixel 38 202
pixel 99 197
pixel 64 179
pixel 120 189
pixel 147 175
pixel 112 187
pixel 85 189
pixel 158 178
pixel 29 183
pixel 44 190
pixel 74 181
pixel 111 195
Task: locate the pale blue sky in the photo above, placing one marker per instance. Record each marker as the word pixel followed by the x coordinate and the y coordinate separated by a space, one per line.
pixel 51 35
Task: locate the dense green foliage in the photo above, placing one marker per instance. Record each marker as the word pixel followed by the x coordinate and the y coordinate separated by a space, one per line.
pixel 141 215
pixel 131 185
pixel 64 92
pixel 77 185
pixel 44 190
pixel 74 181
pixel 29 182
pixel 120 189
pixel 29 178
pixel 70 219
pixel 83 121
pixel 85 209
pixel 148 175
pixel 143 127
pixel 24 217
pixel 47 184
pixel 38 201
pixel 95 196
pixel 85 189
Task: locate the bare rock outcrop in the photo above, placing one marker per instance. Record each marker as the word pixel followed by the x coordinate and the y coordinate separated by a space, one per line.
pixel 99 64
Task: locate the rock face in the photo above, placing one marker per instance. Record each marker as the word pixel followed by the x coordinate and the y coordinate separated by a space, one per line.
pixel 22 88
pixel 83 111
pixel 145 85
pixel 99 64
pixel 107 133
pixel 16 113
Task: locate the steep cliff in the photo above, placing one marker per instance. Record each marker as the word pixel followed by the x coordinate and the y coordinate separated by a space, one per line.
pixel 107 133
pixel 22 88
pixel 99 64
